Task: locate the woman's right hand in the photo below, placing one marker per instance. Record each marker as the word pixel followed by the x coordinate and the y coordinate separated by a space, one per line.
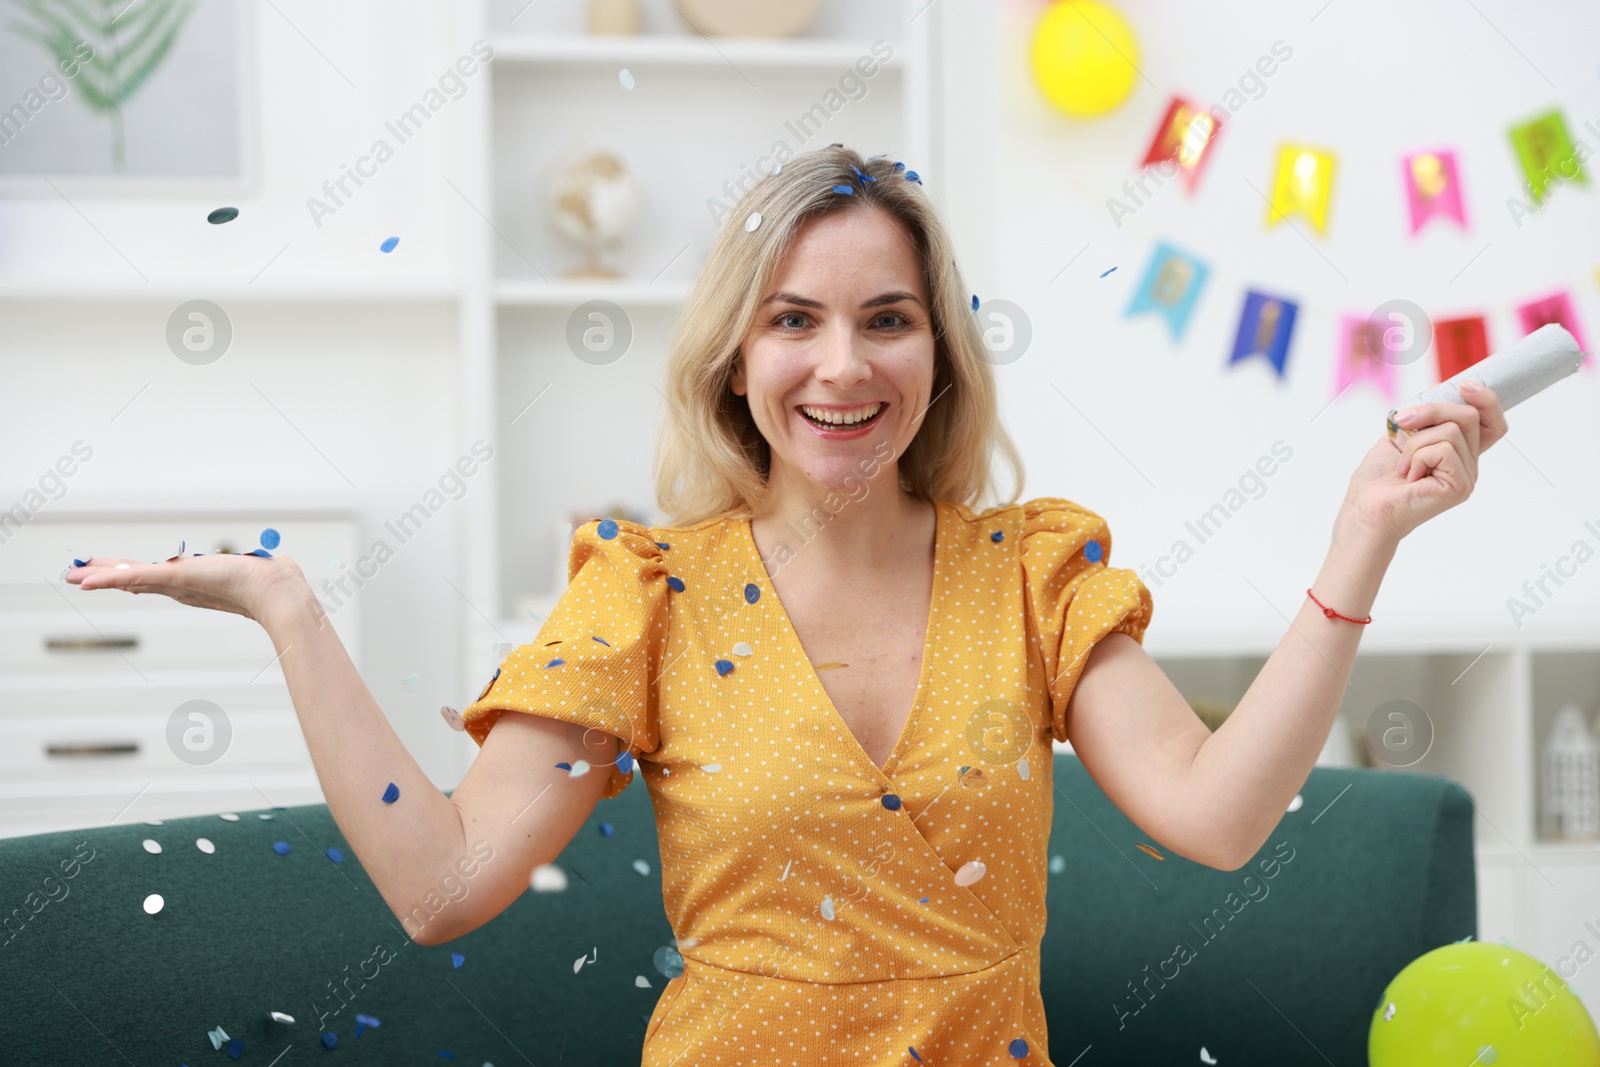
pixel 242 584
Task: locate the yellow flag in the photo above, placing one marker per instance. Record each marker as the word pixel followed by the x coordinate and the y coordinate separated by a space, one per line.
pixel 1304 184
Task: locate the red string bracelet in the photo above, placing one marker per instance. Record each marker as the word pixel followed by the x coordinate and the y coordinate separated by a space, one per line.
pixel 1330 613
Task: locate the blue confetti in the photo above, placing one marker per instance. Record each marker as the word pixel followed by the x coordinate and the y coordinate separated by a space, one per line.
pixel 662 545
pixel 388 245
pixel 845 189
pixel 997 536
pixel 281 847
pixel 911 176
pixel 329 1039
pixel 446 1055
pixel 235 1049
pixel 607 528
pixel 724 666
pixel 79 562
pixel 752 593
pixel 899 166
pixel 1103 275
pixel 891 801
pixel 270 538
pixel 365 1020
pixel 217 218
pixel 457 959
pixel 564 765
pixel 335 855
pixel 1019 1048
pixel 908 1047
pixel 864 177
pixel 263 553
pixel 1092 551
pixel 675 582
pixel 603 641
pixel 606 829
pixel 924 900
pixel 625 762
pixel 558 661
pixel 391 794
pixel 974 301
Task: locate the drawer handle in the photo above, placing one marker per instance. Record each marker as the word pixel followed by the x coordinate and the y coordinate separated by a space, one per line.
pixel 89 644
pixel 107 748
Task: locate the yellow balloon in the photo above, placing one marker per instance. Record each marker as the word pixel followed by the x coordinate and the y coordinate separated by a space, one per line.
pixel 1084 57
pixel 1468 1004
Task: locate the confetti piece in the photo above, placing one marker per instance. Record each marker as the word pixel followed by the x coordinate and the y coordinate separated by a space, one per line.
pixel 281 847
pixel 548 878
pixel 890 801
pixel 827 908
pixel 412 682
pixel 1294 805
pixel 603 641
pixel 642 867
pixel 558 661
pixel 1018 1048
pixel 222 214
pixel 970 872
pixel 228 816
pixel 235 1049
pixel 391 794
pixel 742 648
pixel 204 845
pixel 675 582
pixel 1093 551
pixel 641 982
pixel 452 718
pixel 625 762
pixel 752 593
pixel 663 545
pixel 329 1039
pixel 752 222
pixel 724 666
pixel 564 765
pixel 153 903
pixel 122 567
pixel 607 529
pixel 152 822
pixel 258 552
pixel 580 768
pixel 1108 272
pixel 911 176
pixel 1058 864
pixel 152 846
pixel 1023 770
pixel 668 961
pixel 264 816
pixel 270 538
pixel 280 1017
pixel 847 190
pixel 1151 851
pixel 331 560
pixel 625 76
pixel 908 1047
pixel 776 167
pixel 1206 1057
pixel 785 873
pixel 1388 1011
pixel 335 855
pixel 924 900
pixel 218 1037
pixel 830 666
pixel 606 829
pixel 387 246
pixel 712 768
pixel 997 536
pixel 457 959
pixel 974 301
pixel 862 176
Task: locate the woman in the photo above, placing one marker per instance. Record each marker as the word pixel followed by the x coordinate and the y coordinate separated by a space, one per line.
pixel 840 677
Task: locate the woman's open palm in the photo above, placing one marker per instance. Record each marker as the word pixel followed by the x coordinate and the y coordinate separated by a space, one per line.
pixel 241 584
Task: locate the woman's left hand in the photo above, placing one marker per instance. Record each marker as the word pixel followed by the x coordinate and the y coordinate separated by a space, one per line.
pixel 1396 490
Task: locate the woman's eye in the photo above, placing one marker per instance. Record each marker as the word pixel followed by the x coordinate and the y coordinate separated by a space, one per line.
pixel 900 320
pixel 781 319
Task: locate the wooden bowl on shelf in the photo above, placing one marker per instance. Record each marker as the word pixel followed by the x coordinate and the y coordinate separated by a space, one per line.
pixel 749 18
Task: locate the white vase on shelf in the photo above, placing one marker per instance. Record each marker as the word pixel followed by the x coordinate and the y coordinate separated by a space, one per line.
pixel 1571 807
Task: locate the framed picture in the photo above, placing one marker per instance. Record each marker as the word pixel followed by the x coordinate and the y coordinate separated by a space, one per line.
pixel 113 96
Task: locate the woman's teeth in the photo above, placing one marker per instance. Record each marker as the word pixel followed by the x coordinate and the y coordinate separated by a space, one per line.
pixel 841 420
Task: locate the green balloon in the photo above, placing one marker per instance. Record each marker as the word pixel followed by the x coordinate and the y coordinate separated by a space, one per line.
pixel 1473 1003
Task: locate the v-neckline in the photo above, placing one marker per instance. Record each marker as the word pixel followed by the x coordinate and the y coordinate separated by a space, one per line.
pixel 930 629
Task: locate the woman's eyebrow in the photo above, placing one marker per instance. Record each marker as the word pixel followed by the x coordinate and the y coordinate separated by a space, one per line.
pixel 877 301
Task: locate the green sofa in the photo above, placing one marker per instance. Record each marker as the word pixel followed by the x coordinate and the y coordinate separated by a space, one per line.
pixel 1285 960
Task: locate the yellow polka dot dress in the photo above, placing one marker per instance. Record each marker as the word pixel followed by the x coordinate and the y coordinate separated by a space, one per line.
pixel 827 911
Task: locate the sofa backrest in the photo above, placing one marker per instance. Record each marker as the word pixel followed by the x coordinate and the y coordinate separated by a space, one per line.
pixel 1375 869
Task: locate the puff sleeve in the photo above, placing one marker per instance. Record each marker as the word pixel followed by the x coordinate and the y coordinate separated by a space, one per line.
pixel 597 656
pixel 1073 596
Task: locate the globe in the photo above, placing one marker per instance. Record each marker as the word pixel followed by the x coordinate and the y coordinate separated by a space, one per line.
pixel 592 200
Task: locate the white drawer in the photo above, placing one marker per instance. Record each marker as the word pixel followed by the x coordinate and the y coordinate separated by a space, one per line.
pixel 126 802
pixel 112 634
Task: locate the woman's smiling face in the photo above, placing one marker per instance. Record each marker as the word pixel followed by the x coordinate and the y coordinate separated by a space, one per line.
pixel 845 327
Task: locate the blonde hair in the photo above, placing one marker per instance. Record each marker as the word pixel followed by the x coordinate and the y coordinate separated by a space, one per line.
pixel 711 459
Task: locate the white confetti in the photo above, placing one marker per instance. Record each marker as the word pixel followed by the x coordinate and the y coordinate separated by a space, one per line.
pixel 642 867
pixel 218 1037
pixel 412 682
pixel 228 816
pixel 776 167
pixel 204 845
pixel 280 1017
pixel 121 567
pixel 827 908
pixel 152 846
pixel 752 222
pixel 264 816
pixel 1388 1012
pixel 1294 805
pixel 712 767
pixel 153 903
pixel 642 982
pixel 742 648
pixel 548 878
pixel 1206 1057
pixel 970 872
pixel 580 768
pixel 1022 769
pixel 625 76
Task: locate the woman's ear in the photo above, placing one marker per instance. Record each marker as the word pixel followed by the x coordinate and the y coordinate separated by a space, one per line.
pixel 736 379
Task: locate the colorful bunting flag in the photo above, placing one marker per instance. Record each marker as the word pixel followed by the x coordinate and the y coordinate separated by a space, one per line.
pixel 1184 137
pixel 1432 188
pixel 1362 357
pixel 1264 327
pixel 1170 287
pixel 1557 308
pixel 1303 184
pixel 1546 153
pixel 1459 343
